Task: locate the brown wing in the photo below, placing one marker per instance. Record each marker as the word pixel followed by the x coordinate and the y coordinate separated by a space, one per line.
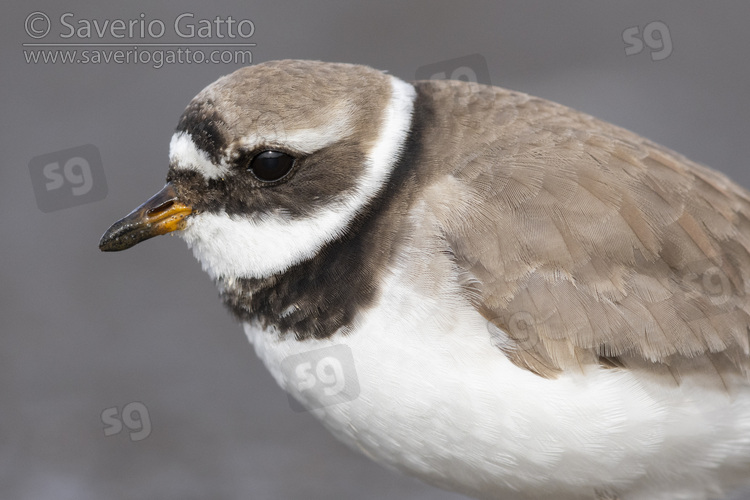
pixel 586 243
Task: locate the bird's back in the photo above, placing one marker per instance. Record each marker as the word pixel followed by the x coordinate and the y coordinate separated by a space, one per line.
pixel 585 242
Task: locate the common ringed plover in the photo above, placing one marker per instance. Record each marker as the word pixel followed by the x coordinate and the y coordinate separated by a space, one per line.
pixel 537 304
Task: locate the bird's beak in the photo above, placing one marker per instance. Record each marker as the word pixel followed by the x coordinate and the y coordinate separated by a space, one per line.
pixel 161 214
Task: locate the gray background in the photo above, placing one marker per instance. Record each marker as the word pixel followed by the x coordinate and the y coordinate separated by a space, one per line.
pixel 84 331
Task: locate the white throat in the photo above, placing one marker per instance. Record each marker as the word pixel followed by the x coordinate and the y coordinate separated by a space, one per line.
pixel 239 247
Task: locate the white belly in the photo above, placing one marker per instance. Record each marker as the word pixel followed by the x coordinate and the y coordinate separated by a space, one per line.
pixel 437 400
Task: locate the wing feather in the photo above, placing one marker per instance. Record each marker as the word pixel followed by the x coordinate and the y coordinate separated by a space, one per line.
pixel 612 249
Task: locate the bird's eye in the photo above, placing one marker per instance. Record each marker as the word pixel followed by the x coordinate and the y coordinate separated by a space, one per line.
pixel 270 166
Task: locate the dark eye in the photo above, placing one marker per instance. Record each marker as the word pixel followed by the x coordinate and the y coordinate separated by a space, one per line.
pixel 270 166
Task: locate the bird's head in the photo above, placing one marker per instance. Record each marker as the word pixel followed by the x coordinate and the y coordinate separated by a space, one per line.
pixel 273 161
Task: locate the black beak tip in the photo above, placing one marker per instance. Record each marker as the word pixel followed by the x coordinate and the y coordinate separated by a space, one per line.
pixel 121 236
pixel 106 244
pixel 109 241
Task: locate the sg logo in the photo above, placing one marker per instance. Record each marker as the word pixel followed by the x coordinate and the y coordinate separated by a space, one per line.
pixel 661 45
pixel 68 178
pixel 77 172
pixel 319 378
pixel 471 68
pixel 140 425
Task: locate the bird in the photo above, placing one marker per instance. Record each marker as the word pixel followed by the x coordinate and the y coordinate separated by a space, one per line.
pixel 497 294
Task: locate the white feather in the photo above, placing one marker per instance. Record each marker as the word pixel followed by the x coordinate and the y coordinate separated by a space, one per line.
pixel 184 154
pixel 304 141
pixel 439 401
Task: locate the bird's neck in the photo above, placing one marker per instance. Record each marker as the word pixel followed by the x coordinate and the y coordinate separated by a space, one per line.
pixel 324 294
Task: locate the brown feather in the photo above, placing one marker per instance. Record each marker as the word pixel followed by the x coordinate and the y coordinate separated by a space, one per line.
pixel 615 250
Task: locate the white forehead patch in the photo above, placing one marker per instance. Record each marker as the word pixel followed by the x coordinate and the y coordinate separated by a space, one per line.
pixel 244 247
pixel 184 154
